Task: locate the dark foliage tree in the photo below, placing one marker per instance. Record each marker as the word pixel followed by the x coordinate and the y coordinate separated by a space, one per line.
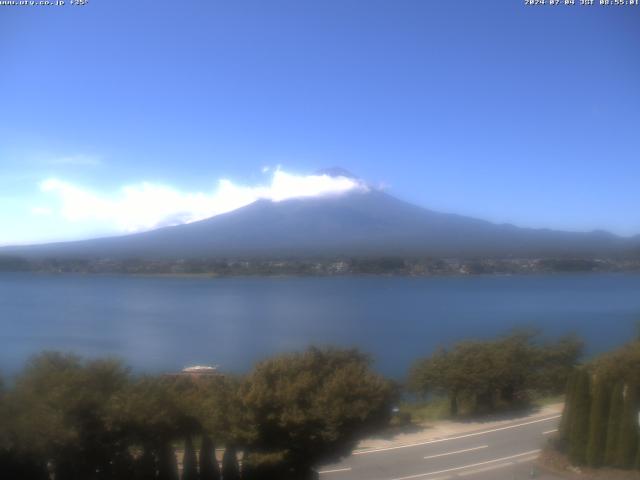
pixel 496 372
pixel 267 466
pixel 230 467
pixel 628 436
pixel 598 422
pixel 621 365
pixel 579 434
pixel 22 466
pixel 146 465
pixel 167 464
pixel 62 410
pixel 613 425
pixel 315 405
pixel 209 468
pixel 189 461
pixel 564 428
pixel 554 364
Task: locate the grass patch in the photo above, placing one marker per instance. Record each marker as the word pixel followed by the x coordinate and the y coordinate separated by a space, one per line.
pixel 427 411
pixel 548 400
pixel 420 412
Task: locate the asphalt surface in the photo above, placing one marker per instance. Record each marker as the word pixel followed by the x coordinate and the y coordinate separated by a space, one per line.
pixel 504 453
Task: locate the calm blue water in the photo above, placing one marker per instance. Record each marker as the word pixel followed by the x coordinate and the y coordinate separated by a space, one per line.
pixel 157 324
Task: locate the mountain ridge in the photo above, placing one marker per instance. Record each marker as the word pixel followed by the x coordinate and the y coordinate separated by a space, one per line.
pixel 356 223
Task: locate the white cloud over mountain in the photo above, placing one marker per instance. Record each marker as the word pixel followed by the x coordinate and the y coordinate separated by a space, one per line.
pixel 145 205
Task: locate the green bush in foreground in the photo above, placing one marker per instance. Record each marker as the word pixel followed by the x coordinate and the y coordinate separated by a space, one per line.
pixel 92 420
pixel 314 406
pixel 485 375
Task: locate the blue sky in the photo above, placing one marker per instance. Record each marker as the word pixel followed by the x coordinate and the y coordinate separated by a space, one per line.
pixel 512 113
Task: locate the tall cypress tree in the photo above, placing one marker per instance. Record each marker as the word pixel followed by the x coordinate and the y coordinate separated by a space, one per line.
pixel 579 429
pixel 167 465
pixel 249 471
pixel 628 440
pixel 230 469
pixel 613 425
pixel 565 421
pixel 209 468
pixel 189 461
pixel 145 467
pixel 598 423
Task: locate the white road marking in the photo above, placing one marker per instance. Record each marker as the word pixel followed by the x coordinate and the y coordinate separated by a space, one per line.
pixel 457 451
pixel 467 466
pixel 526 459
pixel 485 469
pixel 550 431
pixel 456 438
pixel 335 470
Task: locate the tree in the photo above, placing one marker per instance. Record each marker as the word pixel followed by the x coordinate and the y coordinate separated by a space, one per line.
pixel 209 468
pixel 498 372
pixel 230 469
pixel 63 414
pixel 189 461
pixel 555 363
pixel 315 405
pixel 598 423
pixel 565 422
pixel 579 433
pixel 266 466
pixel 167 464
pixel 613 426
pixel 146 466
pixel 628 436
pixel 622 364
pixel 435 374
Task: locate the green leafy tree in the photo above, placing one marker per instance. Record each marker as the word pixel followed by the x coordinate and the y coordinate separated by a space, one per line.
pixel 622 364
pixel 598 423
pixel 150 412
pixel 579 434
pixel 470 370
pixel 189 461
pixel 435 375
pixel 498 372
pixel 314 406
pixel 63 414
pixel 554 364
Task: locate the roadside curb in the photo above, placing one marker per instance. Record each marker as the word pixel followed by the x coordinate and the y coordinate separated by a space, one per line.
pixel 440 438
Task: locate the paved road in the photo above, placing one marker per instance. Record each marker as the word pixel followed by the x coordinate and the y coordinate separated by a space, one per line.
pixel 500 453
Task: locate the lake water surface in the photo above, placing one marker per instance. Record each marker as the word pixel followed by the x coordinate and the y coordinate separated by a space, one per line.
pixel 160 323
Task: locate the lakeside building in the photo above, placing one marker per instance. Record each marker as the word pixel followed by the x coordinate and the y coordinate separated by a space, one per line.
pixel 197 371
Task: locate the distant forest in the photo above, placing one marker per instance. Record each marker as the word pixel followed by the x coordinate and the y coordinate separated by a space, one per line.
pixel 322 266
